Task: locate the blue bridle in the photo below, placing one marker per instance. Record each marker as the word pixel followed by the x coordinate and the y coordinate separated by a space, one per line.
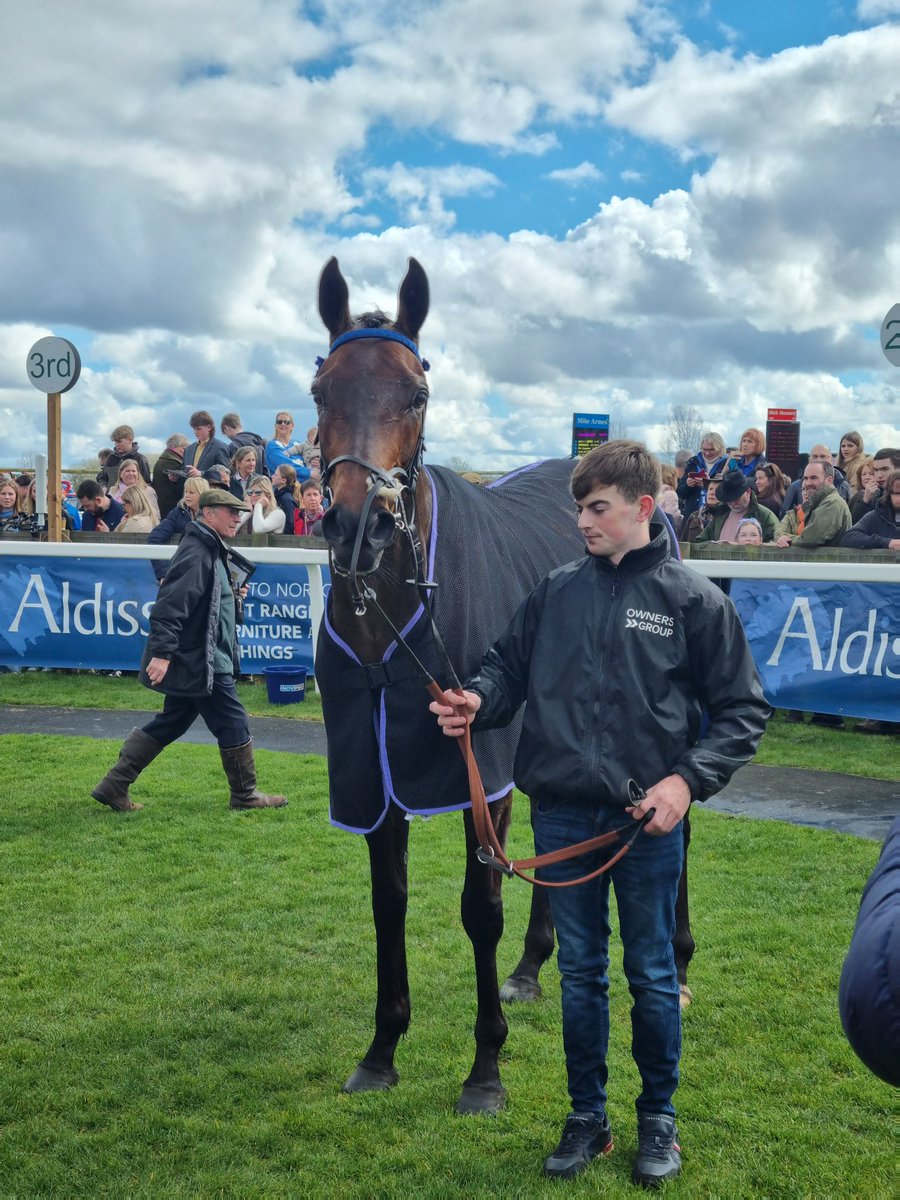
pixel 390 335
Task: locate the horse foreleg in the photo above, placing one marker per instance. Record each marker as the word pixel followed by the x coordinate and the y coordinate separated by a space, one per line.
pixel 388 865
pixel 523 983
pixel 482 917
pixel 683 942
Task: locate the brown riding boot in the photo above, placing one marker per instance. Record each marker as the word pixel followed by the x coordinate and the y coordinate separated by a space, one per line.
pixel 240 769
pixel 138 751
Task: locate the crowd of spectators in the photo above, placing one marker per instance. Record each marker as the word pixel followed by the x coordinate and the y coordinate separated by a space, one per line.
pixel 846 499
pixel 841 499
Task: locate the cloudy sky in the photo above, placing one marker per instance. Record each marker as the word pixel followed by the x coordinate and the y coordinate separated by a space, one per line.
pixel 622 205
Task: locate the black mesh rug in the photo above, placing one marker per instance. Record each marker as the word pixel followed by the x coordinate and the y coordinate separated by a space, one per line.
pixel 489 547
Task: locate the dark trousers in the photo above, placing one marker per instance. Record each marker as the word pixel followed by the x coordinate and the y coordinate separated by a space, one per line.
pixel 225 716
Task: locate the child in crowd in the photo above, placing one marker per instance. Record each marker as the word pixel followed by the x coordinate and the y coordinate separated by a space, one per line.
pixel 749 533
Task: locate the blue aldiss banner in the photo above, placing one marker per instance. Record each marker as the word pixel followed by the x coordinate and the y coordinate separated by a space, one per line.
pixel 825 647
pixel 93 613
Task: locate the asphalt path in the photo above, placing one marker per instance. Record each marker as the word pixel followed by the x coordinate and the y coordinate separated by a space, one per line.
pixel 823 799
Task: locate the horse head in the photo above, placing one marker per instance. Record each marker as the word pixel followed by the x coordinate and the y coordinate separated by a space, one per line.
pixel 370 395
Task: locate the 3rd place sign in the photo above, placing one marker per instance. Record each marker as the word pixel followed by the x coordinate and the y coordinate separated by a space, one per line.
pixel 53 365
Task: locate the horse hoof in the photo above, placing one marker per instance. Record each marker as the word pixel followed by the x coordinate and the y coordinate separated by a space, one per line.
pixel 685 995
pixel 480 1101
pixel 369 1079
pixel 518 989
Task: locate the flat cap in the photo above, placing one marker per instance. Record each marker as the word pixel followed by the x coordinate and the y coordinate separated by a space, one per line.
pixel 219 498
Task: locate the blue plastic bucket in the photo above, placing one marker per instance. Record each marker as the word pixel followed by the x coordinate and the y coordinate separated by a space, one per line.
pixel 285 685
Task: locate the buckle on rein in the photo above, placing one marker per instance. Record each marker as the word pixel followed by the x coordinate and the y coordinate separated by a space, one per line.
pixel 490 860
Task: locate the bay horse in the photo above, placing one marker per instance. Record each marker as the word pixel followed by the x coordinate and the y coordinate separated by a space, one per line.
pixel 393 601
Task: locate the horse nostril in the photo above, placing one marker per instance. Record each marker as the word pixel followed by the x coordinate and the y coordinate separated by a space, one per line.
pixel 382 528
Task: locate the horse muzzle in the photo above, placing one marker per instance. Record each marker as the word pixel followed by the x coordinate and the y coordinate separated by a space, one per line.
pixel 340 528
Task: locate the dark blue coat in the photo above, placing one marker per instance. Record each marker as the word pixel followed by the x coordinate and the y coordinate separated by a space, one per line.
pixel 171 526
pixel 870 980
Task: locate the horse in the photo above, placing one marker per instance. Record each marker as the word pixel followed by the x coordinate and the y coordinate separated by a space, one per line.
pixel 399 612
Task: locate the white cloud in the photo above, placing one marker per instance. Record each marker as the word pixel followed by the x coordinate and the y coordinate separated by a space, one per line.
pixel 419 192
pixel 875 10
pixel 172 179
pixel 584 173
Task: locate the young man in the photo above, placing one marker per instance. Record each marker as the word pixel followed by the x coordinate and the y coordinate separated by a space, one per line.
pixel 124 446
pixel 192 657
pixel 237 437
pixel 100 513
pixel 207 452
pixel 618 656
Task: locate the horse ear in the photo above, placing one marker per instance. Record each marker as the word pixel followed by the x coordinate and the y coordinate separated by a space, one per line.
pixel 412 304
pixel 334 299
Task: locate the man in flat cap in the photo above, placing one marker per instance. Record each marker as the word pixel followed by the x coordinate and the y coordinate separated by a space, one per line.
pixel 192 657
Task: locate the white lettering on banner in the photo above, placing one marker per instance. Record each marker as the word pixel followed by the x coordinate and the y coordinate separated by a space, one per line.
pixel 839 652
pixel 293 612
pixel 93 617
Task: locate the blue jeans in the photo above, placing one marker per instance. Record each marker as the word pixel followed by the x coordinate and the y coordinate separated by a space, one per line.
pixel 645 882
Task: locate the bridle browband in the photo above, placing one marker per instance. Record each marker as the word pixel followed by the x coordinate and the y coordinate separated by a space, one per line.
pixel 402 481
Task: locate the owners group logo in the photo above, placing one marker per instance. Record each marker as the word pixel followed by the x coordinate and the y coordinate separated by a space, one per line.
pixel 648 622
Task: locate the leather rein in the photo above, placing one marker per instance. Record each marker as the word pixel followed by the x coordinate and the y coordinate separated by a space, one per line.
pixel 402 481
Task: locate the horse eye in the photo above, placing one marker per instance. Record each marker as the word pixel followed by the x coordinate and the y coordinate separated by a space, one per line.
pixel 420 399
pixel 318 400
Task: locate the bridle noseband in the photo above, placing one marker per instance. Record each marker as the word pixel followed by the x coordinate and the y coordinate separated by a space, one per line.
pixel 398 482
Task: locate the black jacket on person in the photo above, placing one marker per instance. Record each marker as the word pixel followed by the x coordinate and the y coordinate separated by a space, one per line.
pixel 171 526
pixel 288 505
pixel 184 620
pixel 688 497
pixel 246 438
pixel 876 529
pixel 617 665
pixel 109 472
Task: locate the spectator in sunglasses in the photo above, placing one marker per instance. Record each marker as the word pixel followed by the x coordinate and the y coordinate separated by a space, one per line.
pixel 282 448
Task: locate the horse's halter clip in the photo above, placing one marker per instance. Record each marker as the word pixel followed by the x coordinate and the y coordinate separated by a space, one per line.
pixel 394 483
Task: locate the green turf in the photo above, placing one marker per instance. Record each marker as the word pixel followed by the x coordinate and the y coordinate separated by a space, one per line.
pixel 185 988
pixel 806 746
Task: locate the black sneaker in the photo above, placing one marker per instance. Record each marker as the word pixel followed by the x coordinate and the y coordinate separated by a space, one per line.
pixel 659 1155
pixel 585 1135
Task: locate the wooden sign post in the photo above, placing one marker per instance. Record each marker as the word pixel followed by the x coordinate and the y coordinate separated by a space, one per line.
pixel 53 365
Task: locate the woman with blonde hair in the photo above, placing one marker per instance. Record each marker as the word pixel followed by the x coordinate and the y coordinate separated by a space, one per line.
pixel 863 485
pixel 130 476
pixel 851 450
pixel 708 461
pixel 9 501
pixel 266 517
pixel 174 523
pixel 139 516
pixel 282 448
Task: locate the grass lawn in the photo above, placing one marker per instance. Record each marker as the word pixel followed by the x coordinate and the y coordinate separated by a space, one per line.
pixel 806 746
pixel 185 989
